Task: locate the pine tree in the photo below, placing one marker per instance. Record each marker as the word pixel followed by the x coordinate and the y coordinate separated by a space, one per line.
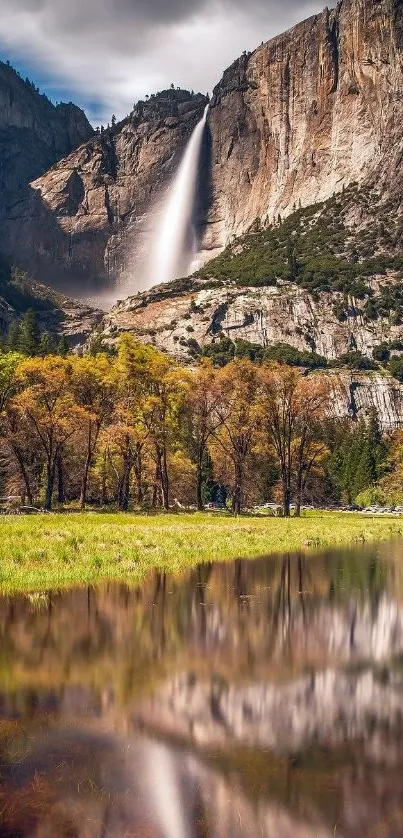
pixel 46 346
pixel 377 444
pixel 365 475
pixel 292 258
pixel 30 335
pixel 13 337
pixel 352 453
pixel 63 348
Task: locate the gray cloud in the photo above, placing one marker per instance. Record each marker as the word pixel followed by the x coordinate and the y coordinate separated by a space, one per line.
pixel 115 51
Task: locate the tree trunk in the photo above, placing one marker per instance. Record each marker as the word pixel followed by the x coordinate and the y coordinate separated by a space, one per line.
pixel 157 482
pixel 50 482
pixel 138 470
pixel 124 494
pixel 165 481
pixel 104 496
pixel 286 498
pixel 60 480
pixel 237 496
pixel 87 466
pixel 24 474
pixel 199 485
pixel 84 483
pixel 298 495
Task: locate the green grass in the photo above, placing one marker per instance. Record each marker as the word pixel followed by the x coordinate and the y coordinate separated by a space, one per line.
pixel 55 551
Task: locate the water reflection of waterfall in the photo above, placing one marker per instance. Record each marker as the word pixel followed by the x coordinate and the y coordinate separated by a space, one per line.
pixel 239 699
pixel 175 249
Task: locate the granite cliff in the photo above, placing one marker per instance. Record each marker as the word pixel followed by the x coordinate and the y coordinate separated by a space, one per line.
pixel 299 204
pixel 309 112
pixel 292 123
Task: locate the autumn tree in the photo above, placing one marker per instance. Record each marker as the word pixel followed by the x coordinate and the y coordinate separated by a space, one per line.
pixel 236 422
pixel 156 386
pixel 11 432
pixel 291 405
pixel 203 419
pixel 46 404
pixel 93 384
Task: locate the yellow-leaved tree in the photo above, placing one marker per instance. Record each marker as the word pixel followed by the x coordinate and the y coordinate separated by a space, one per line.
pixel 291 407
pixel 46 405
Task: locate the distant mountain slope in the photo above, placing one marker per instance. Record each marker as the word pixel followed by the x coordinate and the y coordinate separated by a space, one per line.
pixel 56 314
pixel 34 134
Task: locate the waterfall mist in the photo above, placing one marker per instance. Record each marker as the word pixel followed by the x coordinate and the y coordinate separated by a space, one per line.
pixel 174 248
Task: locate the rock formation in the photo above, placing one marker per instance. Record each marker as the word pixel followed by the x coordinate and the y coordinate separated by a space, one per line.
pixel 312 113
pixel 285 314
pixel 305 114
pixel 59 316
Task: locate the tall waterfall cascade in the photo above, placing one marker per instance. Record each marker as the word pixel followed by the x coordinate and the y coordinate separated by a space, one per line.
pixel 175 247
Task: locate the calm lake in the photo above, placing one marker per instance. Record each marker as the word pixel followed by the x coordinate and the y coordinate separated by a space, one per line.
pixel 249 699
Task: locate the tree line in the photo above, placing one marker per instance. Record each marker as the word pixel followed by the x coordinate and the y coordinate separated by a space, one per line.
pixel 137 429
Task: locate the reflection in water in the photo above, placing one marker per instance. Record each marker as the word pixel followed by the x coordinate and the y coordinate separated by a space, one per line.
pixel 248 699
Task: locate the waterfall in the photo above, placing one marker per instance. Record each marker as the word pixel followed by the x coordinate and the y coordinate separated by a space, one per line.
pixel 175 245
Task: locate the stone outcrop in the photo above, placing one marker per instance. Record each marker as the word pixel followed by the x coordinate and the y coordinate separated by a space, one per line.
pixel 265 316
pixel 187 321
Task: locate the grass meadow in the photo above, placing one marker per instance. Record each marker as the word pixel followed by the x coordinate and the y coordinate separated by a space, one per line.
pixel 55 551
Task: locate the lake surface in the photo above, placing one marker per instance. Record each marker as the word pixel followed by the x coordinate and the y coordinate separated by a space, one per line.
pixel 249 699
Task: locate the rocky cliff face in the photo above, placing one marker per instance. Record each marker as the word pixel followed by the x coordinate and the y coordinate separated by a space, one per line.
pixel 305 114
pixel 85 220
pixel 265 316
pixel 34 134
pixel 185 322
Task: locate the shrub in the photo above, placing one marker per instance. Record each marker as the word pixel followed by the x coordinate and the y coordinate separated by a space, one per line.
pixel 381 353
pixel 396 368
pixel 285 354
pixel 356 361
pixel 371 497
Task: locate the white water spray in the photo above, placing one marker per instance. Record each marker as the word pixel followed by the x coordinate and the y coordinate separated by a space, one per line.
pixel 175 246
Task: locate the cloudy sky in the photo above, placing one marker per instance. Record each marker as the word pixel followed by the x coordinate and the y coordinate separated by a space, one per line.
pixel 105 54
